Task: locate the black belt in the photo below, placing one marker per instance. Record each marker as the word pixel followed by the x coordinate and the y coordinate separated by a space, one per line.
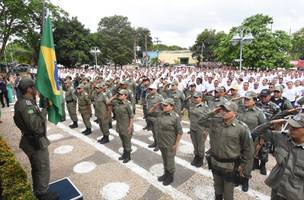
pixel 225 160
pixel 70 101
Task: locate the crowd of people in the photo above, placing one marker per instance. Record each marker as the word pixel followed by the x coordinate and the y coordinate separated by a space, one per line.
pixel 240 111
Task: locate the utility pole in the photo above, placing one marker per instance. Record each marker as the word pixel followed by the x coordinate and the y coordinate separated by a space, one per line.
pixel 157 41
pixel 134 50
pixel 203 46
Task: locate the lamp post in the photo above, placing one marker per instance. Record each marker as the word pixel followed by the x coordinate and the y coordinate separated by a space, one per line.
pixel 157 41
pixel 95 51
pixel 242 39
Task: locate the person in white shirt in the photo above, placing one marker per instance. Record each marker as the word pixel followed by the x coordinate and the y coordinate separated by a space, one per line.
pixel 290 92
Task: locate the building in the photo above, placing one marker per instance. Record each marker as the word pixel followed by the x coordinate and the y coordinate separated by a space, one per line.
pixel 173 57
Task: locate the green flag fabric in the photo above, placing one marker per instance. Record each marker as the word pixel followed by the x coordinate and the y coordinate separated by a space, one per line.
pixel 47 80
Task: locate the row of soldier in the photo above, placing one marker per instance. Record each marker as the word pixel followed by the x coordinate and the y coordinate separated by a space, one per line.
pixel 251 110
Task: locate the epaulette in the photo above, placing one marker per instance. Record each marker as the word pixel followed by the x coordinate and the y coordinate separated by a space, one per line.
pixel 28 103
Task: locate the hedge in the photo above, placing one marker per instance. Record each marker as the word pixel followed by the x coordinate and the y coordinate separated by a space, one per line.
pixel 14 184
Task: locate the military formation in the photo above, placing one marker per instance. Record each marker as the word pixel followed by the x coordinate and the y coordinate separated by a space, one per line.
pixel 238 123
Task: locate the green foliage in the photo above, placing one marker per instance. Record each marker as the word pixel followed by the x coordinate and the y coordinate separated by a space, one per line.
pixel 13 179
pixel 72 42
pixel 205 43
pixel 268 50
pixel 163 47
pixel 115 38
pixel 298 44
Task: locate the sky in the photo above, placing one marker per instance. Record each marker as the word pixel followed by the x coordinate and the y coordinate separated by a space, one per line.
pixel 178 22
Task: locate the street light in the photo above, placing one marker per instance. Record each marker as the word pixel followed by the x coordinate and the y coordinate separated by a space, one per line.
pixel 95 51
pixel 242 39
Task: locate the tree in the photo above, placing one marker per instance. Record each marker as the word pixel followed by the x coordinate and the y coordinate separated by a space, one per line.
pixel 115 38
pixel 143 39
pixel 268 50
pixel 297 50
pixel 72 42
pixel 13 20
pixel 205 43
pixel 163 47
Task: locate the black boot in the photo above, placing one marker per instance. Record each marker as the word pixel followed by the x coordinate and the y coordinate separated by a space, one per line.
pixel 194 161
pixel 74 125
pixel 156 148
pixel 245 184
pixel 110 125
pixel 169 179
pixel 88 131
pixel 163 177
pixel 200 162
pixel 152 145
pixel 145 128
pixel 219 197
pixel 128 157
pixel 255 164
pixel 104 140
pixel 263 167
pixel 48 196
pixel 123 156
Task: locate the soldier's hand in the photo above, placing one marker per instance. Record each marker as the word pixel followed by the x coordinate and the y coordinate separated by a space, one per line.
pixel 296 110
pixel 278 121
pixel 130 130
pixel 174 148
pixel 217 109
pixel 241 171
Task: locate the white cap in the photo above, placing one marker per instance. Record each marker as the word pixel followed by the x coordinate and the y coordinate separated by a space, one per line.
pixel 153 86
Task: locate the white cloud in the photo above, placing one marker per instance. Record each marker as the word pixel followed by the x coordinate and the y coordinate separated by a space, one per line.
pixel 179 21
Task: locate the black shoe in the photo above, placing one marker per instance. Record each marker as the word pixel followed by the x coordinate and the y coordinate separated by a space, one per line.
pixel 200 162
pixel 263 168
pixel 84 131
pixel 194 161
pixel 245 184
pixel 96 120
pixel 110 125
pixel 163 177
pixel 104 140
pixel 152 145
pixel 169 179
pixel 128 157
pixel 88 131
pixel 156 148
pixel 145 128
pixel 48 196
pixel 123 156
pixel 74 125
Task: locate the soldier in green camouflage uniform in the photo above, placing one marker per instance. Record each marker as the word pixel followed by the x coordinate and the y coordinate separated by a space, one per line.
pixel 71 102
pixel 169 132
pixel 231 148
pixel 287 178
pixel 177 96
pixel 252 116
pixel 218 98
pixel 152 99
pixel 32 123
pixel 84 107
pixel 263 142
pixel 124 116
pixel 197 132
pixel 102 111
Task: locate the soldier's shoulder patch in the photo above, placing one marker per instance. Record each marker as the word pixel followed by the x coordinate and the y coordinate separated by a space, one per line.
pixel 28 102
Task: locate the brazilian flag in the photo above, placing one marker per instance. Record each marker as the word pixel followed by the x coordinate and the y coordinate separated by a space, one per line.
pixel 47 80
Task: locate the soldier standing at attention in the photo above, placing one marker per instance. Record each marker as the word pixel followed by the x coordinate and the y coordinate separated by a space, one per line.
pixel 84 107
pixel 177 96
pixel 124 116
pixel 102 112
pixel 169 131
pixel 286 179
pixel 32 123
pixel 197 132
pixel 152 99
pixel 252 116
pixel 71 102
pixel 231 148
